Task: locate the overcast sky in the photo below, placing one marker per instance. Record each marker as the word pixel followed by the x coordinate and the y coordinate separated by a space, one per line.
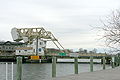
pixel 68 20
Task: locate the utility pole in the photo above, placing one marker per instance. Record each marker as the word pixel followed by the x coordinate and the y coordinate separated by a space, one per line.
pixel 37 45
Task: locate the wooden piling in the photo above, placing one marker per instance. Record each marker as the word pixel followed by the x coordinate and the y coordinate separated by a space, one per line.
pixel 104 62
pixel 76 65
pixel 91 63
pixel 54 67
pixel 118 61
pixel 19 68
pixel 113 61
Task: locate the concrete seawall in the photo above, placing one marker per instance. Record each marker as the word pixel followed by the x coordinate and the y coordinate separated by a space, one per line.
pixel 109 74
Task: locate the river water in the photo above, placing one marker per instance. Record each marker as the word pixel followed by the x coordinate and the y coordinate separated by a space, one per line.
pixel 42 71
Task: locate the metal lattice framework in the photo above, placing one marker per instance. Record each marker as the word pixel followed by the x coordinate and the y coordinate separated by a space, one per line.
pixel 40 33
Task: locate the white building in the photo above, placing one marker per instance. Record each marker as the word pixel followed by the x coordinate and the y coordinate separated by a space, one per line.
pixel 30 49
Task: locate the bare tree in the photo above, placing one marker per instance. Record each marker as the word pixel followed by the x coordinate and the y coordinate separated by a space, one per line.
pixel 111 30
pixel 94 50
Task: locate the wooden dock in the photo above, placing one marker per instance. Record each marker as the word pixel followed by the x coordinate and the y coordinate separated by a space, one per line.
pixel 108 74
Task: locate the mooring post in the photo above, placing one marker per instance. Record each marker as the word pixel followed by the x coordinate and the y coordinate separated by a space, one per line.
pixel 113 61
pixel 104 62
pixel 76 65
pixel 54 67
pixel 19 68
pixel 91 63
pixel 116 59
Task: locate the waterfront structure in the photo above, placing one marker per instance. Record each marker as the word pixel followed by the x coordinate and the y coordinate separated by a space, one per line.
pixel 8 47
pixel 31 36
pixel 30 49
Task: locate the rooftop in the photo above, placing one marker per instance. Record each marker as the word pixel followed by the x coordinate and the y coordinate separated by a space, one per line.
pixel 10 43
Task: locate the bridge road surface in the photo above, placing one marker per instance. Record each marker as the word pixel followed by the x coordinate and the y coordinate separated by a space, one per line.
pixel 108 74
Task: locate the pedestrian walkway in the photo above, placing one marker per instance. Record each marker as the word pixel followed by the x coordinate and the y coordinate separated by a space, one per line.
pixel 109 74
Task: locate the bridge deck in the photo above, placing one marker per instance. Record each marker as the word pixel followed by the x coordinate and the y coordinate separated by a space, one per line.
pixel 109 74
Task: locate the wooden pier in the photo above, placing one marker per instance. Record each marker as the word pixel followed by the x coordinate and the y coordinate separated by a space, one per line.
pixel 108 74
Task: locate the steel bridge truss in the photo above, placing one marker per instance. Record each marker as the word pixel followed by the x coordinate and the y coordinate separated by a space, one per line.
pixel 40 33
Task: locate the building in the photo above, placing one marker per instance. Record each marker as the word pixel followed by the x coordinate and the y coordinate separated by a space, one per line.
pixel 8 47
pixel 30 49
